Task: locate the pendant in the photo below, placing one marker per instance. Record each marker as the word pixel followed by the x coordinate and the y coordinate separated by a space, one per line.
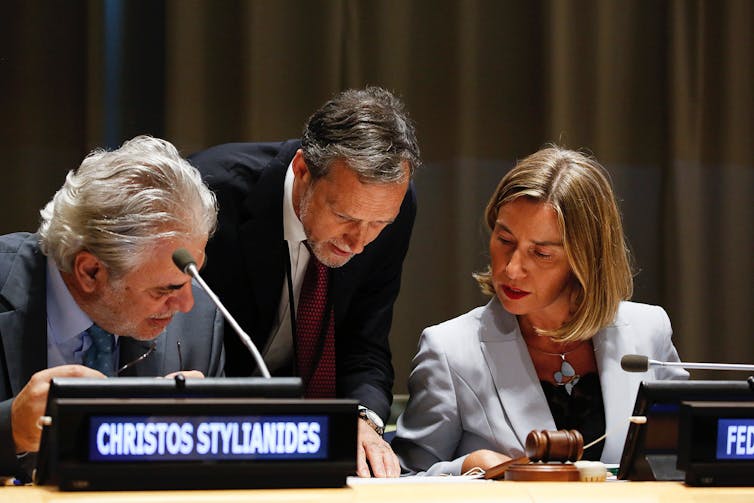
pixel 566 376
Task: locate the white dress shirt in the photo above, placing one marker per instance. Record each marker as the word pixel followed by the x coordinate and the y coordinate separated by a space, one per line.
pixel 279 349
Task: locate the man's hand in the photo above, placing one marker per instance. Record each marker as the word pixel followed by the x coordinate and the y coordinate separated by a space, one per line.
pixel 30 404
pixel 484 459
pixel 188 374
pixel 371 448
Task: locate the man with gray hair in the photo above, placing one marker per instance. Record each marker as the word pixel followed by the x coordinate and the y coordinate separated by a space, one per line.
pixel 311 240
pixel 95 292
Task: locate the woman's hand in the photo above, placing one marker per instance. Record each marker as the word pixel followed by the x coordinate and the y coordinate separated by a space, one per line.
pixel 484 459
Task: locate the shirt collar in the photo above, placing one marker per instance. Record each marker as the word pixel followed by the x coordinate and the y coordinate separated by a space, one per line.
pixel 64 316
pixel 293 229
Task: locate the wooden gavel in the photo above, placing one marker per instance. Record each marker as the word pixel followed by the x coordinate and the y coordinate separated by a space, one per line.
pixel 560 445
pixel 545 446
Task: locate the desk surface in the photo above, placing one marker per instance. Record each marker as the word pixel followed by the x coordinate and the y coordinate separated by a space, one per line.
pixel 528 492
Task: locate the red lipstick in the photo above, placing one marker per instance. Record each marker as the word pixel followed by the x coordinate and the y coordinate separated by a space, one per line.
pixel 514 293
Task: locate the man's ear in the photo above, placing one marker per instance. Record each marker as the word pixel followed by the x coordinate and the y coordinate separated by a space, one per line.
pixel 302 180
pixel 300 169
pixel 88 272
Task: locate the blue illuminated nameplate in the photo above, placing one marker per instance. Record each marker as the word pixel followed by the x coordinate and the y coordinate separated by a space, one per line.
pixel 735 439
pixel 153 438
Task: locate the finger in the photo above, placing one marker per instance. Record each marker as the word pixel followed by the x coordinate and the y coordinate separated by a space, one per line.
pixel 67 371
pixel 362 468
pixel 392 465
pixel 375 455
pixel 383 460
pixel 38 386
pixel 188 374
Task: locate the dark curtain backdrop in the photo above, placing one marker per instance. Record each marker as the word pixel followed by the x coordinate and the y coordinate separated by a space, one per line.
pixel 660 91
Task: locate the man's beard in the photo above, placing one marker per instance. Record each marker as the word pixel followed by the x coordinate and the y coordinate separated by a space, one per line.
pixel 320 249
pixel 110 308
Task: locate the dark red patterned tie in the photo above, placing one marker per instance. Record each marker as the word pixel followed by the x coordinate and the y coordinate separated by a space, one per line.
pixel 315 344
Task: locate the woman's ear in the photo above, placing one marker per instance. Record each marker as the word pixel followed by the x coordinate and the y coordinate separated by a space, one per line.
pixel 576 295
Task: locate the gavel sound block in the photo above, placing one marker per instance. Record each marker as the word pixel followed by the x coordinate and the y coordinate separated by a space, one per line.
pixel 547 454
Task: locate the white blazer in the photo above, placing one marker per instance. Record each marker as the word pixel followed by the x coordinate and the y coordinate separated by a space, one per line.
pixel 474 386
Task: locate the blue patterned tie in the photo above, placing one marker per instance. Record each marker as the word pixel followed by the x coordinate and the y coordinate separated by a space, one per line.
pixel 99 356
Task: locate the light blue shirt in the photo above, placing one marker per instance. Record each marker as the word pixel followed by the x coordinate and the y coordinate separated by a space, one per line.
pixel 66 322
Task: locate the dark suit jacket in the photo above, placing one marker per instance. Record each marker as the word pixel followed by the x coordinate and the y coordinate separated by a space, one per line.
pixel 23 334
pixel 246 267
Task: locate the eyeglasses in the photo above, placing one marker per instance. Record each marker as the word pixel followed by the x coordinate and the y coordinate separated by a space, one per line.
pixel 180 356
pixel 151 349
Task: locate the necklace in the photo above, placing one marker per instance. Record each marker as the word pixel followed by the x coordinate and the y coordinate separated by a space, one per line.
pixel 566 376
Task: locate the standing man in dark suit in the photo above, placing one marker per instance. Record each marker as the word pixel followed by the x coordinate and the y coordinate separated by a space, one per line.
pixel 342 197
pixel 95 293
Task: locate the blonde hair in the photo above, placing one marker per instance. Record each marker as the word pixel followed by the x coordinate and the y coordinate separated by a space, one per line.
pixel 579 190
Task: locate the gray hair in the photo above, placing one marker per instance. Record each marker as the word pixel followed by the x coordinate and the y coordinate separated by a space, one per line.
pixel 368 129
pixel 118 205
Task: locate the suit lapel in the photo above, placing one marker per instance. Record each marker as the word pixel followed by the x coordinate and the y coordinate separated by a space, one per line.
pixel 23 323
pixel 520 393
pixel 618 386
pixel 261 237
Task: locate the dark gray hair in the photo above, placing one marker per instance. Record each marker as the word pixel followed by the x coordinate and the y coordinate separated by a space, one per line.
pixel 118 205
pixel 367 129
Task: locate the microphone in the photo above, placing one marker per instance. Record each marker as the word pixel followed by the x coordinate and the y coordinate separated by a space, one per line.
pixel 641 363
pixel 186 263
pixel 631 419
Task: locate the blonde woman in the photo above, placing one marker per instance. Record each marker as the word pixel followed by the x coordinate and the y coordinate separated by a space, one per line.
pixel 545 352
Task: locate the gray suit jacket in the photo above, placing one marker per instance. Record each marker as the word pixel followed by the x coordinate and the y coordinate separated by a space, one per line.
pixel 474 386
pixel 23 334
